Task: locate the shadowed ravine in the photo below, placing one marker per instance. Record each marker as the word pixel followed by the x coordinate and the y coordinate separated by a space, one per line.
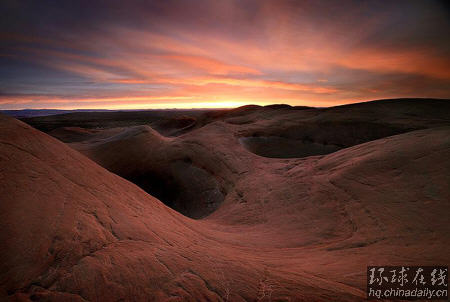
pixel 166 167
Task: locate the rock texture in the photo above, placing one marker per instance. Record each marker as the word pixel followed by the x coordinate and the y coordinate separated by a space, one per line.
pixel 297 229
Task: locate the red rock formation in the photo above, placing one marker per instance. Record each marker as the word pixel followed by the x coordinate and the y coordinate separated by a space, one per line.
pixel 286 230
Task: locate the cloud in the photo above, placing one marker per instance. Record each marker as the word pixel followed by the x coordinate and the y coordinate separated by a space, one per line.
pixel 228 52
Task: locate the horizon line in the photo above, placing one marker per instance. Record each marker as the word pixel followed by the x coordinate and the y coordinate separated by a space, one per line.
pixel 225 108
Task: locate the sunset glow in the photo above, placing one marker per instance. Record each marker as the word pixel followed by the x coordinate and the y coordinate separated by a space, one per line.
pixel 197 54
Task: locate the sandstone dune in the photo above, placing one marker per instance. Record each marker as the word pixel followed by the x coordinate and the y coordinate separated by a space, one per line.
pixel 78 223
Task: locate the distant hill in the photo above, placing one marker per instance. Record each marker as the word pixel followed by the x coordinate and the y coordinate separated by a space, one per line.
pixel 44 112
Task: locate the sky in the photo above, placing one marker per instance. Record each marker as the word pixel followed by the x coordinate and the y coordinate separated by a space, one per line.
pixel 220 53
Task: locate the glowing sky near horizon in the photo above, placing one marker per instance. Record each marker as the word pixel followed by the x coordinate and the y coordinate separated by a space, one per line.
pixel 201 53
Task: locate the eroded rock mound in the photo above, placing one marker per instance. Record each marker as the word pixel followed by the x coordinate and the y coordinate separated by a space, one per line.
pixel 280 147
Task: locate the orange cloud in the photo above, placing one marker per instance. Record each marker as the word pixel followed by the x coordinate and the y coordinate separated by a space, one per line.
pixel 405 61
pixel 284 53
pixel 212 66
pixel 252 83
